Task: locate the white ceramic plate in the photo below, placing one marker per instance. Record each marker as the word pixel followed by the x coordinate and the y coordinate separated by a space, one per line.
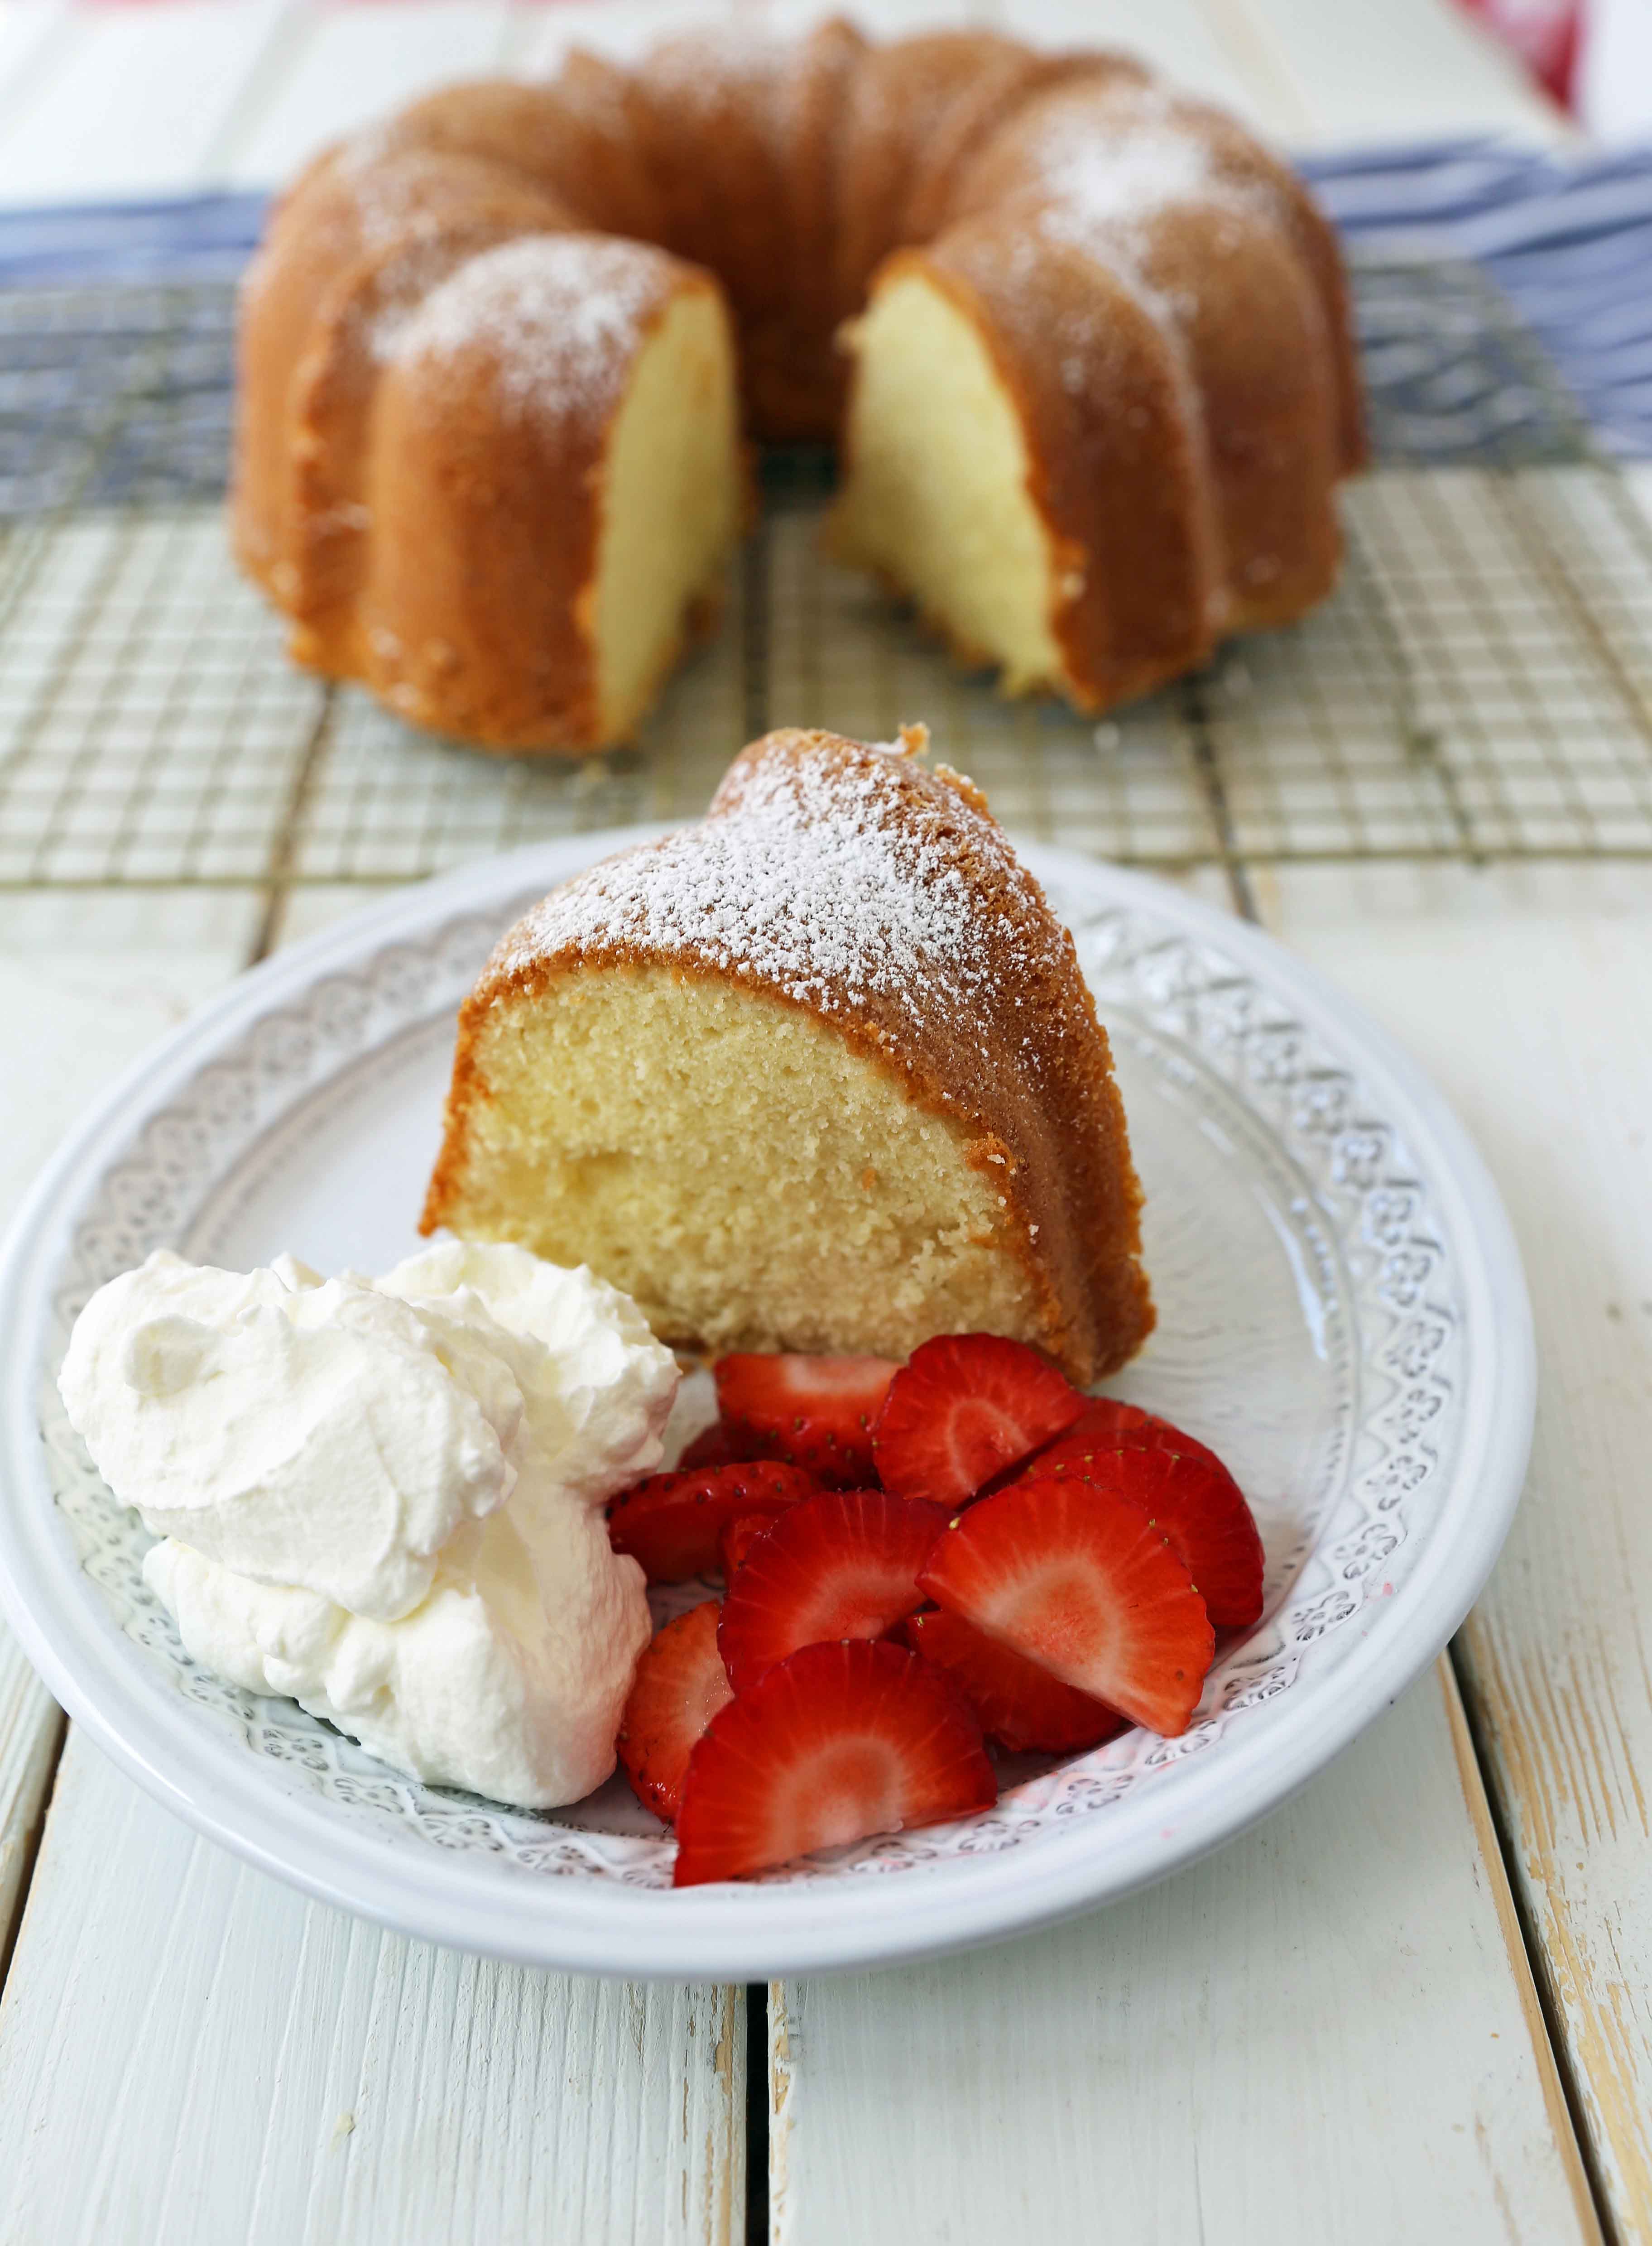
pixel 1341 1313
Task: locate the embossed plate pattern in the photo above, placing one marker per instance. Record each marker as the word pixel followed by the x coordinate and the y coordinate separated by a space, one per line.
pixel 1342 1308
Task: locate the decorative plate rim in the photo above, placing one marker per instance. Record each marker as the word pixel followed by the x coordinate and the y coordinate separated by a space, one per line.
pixel 205 1775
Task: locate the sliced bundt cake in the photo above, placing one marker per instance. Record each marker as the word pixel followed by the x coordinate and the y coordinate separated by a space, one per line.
pixel 1099 401
pixel 819 1073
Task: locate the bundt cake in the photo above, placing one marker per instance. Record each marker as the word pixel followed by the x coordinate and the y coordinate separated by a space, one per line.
pixel 819 1073
pixel 1085 342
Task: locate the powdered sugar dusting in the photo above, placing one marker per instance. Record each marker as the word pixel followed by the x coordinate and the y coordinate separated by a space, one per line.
pixel 398 192
pixel 1101 192
pixel 1124 180
pixel 560 315
pixel 689 67
pixel 819 880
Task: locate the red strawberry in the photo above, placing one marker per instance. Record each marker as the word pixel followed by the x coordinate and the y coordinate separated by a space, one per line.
pixel 842 1564
pixel 1077 1580
pixel 1104 1424
pixel 680 1684
pixel 1194 1503
pixel 830 1745
pixel 1020 1706
pixel 965 1407
pixel 1107 1424
pixel 737 1539
pixel 670 1522
pixel 715 1446
pixel 816 1411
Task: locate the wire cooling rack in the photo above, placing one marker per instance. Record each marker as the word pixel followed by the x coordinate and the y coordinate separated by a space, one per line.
pixel 1479 688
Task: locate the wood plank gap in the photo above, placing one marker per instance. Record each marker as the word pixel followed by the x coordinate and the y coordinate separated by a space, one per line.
pixel 1420 742
pixel 1240 39
pixel 278 883
pixel 757 2113
pixel 30 1848
pixel 46 54
pixel 271 65
pixel 1568 2118
pixel 1516 500
pixel 1196 715
pixel 756 562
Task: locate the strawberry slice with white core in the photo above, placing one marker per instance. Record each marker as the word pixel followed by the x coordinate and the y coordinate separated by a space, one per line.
pixel 831 1744
pixel 671 1522
pixel 842 1564
pixel 1194 1502
pixel 680 1684
pixel 964 1408
pixel 1080 1581
pixel 818 1411
pixel 1022 1706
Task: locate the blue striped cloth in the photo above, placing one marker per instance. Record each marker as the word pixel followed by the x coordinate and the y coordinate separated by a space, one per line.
pixel 194 238
pixel 1569 244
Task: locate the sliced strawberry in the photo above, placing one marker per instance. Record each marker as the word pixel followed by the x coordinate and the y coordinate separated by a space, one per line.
pixel 832 1744
pixel 680 1684
pixel 1107 1424
pixel 1195 1504
pixel 1022 1706
pixel 670 1522
pixel 1192 1497
pixel 1104 1424
pixel 715 1446
pixel 815 1411
pixel 1077 1580
pixel 965 1407
pixel 842 1564
pixel 737 1539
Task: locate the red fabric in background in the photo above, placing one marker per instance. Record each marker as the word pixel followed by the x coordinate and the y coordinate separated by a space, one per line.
pixel 1547 35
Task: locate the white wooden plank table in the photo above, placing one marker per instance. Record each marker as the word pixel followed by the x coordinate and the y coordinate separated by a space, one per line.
pixel 1528 994
pixel 1409 2007
pixel 174 95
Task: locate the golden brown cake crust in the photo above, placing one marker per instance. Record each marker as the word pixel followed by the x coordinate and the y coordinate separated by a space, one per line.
pixel 490 630
pixel 855 884
pixel 348 211
pixel 1117 474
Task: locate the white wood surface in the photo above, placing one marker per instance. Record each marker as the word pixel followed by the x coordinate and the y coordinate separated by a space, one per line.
pixel 1183 38
pixel 31 32
pixel 30 1732
pixel 133 107
pixel 86 980
pixel 348 67
pixel 1399 69
pixel 1529 995
pixel 190 2052
pixel 621 29
pixel 176 96
pixel 1324 2035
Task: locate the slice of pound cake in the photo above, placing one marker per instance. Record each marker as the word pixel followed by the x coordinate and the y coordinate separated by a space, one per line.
pixel 819 1073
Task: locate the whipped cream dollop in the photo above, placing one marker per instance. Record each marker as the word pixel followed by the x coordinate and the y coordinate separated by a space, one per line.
pixel 509 1679
pixel 380 1496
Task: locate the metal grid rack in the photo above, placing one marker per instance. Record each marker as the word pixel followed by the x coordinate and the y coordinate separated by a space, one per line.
pixel 1479 688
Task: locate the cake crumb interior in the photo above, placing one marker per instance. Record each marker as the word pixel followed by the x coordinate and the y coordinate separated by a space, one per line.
pixel 937 497
pixel 671 503
pixel 735 1165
